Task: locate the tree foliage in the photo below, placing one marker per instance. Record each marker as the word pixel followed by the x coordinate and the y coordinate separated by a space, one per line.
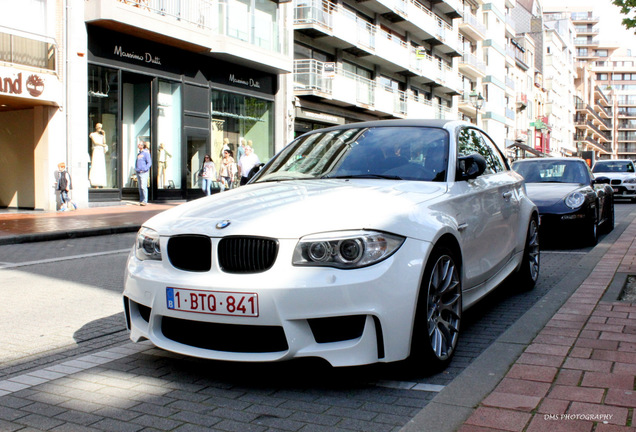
pixel 628 8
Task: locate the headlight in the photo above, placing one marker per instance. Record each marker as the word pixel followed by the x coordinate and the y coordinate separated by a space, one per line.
pixel 575 200
pixel 147 245
pixel 345 249
pixel 631 180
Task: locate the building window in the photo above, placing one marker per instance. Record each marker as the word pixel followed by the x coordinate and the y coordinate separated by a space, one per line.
pixel 103 142
pixel 240 119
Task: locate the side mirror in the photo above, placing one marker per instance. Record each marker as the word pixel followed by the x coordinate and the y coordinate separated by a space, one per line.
pixel 470 167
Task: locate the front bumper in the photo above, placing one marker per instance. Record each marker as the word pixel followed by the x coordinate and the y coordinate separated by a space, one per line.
pixel 568 222
pixel 624 190
pixel 347 317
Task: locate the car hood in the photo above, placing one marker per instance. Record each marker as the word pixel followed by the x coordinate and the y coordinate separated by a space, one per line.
pixel 549 194
pixel 615 175
pixel 291 209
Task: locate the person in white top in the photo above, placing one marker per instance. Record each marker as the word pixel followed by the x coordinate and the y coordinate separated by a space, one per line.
pixel 246 163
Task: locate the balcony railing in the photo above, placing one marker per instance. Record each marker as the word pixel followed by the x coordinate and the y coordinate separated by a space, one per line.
pixel 472 20
pixel 331 17
pixel 27 51
pixel 471 60
pixel 344 86
pixel 231 18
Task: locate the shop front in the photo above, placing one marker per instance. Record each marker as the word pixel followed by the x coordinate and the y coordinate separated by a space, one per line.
pixel 180 105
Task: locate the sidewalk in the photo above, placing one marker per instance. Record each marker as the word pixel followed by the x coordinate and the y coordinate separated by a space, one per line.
pixel 569 364
pixel 574 372
pixel 22 227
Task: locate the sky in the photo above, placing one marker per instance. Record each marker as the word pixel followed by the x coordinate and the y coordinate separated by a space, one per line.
pixel 610 27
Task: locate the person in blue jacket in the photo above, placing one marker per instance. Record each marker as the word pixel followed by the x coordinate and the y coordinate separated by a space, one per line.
pixel 142 168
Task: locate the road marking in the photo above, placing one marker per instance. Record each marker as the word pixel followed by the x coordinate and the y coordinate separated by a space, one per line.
pixel 407 385
pixel 564 252
pixel 4 265
pixel 61 370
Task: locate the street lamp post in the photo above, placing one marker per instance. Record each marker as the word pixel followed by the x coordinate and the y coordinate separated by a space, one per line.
pixel 476 100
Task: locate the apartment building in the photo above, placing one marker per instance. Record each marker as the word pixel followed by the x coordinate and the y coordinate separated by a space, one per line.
pixel 594 121
pixel 374 59
pixel 558 80
pixel 616 73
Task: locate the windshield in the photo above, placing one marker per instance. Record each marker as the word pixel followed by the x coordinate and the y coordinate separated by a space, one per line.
pixel 614 166
pixel 540 171
pixel 397 153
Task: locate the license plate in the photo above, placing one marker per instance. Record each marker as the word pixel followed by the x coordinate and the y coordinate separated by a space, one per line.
pixel 212 302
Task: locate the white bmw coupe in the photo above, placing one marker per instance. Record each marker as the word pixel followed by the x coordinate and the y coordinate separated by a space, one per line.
pixel 356 244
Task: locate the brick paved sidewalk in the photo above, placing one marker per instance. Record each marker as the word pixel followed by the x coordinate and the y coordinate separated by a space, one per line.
pixel 578 375
pixel 37 226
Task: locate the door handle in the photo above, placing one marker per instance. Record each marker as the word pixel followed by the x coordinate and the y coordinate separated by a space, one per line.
pixel 507 195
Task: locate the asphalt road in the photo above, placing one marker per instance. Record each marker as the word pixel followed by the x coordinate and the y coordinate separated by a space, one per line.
pixel 67 364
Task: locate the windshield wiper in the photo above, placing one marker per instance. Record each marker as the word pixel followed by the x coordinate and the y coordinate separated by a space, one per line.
pixel 352 176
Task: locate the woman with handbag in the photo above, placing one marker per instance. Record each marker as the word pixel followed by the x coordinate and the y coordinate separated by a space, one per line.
pixel 208 174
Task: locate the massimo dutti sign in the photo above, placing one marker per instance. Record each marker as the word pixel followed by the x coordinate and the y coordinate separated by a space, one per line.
pixel 120 50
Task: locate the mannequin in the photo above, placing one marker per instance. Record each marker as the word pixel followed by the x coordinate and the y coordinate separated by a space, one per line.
pixel 97 176
pixel 163 164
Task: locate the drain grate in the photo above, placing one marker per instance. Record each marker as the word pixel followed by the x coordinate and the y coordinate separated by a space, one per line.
pixel 628 293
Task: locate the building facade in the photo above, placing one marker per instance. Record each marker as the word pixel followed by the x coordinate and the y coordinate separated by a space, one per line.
pixel 374 59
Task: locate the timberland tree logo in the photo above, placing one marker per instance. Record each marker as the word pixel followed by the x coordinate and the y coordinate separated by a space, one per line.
pixel 35 85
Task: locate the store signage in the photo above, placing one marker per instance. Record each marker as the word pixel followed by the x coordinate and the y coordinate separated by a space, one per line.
pixel 20 83
pixel 145 58
pixel 247 82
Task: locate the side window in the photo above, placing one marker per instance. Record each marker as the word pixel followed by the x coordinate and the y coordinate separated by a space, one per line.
pixel 472 141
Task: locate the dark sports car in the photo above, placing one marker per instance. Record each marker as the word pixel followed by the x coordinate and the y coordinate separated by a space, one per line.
pixel 568 196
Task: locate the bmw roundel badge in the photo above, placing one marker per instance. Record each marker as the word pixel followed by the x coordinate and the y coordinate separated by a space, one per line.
pixel 223 224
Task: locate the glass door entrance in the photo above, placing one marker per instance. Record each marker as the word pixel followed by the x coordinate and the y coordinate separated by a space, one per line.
pixel 135 127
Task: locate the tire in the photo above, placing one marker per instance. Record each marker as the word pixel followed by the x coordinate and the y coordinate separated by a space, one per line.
pixel 438 314
pixel 528 274
pixel 591 233
pixel 609 223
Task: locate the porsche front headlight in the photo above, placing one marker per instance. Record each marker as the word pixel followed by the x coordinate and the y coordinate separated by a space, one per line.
pixel 575 200
pixel 346 249
pixel 147 245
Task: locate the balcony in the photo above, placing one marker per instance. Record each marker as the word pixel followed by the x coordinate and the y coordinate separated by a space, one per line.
pixel 586 42
pixel 421 22
pixel 350 90
pixel 579 18
pixel 471 27
pixel 472 67
pixel 219 28
pixel 28 50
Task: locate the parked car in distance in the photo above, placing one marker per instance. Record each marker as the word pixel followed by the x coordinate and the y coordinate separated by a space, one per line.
pixel 356 244
pixel 622 176
pixel 570 200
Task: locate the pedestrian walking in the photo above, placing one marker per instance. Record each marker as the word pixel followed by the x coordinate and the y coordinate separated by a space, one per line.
pixel 142 168
pixel 208 175
pixel 227 170
pixel 246 163
pixel 64 185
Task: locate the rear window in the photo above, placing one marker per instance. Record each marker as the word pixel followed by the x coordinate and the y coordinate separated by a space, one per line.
pixel 614 166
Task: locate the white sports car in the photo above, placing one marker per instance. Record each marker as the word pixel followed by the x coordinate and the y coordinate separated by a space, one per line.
pixel 356 244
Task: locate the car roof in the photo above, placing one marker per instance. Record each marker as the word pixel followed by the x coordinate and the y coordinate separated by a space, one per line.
pixel 613 161
pixel 549 159
pixel 436 123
